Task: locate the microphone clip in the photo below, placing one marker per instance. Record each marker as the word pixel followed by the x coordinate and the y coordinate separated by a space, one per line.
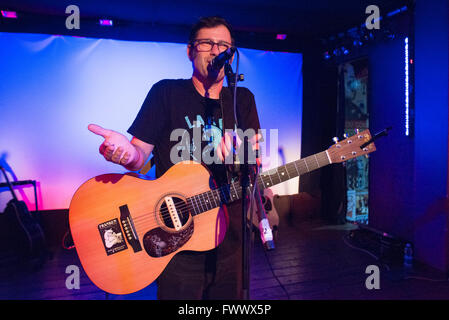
pixel 231 76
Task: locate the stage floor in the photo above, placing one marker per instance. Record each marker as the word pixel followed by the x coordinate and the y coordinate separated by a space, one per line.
pixel 311 261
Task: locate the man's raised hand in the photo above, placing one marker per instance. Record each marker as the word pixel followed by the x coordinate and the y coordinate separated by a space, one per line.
pixel 115 147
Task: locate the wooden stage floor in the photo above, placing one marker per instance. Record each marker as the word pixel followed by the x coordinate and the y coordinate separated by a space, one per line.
pixel 312 261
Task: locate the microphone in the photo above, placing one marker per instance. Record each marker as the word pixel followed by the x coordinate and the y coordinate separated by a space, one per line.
pixel 219 61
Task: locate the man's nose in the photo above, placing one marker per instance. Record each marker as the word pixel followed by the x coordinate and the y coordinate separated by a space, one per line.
pixel 215 49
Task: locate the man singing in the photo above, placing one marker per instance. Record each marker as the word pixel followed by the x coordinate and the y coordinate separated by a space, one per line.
pixel 185 105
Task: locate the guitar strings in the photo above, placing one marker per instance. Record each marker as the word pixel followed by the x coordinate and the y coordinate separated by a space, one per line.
pixel 142 219
pixel 200 204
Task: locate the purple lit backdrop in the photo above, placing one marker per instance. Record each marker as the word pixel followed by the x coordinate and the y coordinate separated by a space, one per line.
pixel 52 87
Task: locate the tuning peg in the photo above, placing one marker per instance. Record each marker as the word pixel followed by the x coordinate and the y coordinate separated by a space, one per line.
pixel 357 131
pixel 335 139
pixel 345 135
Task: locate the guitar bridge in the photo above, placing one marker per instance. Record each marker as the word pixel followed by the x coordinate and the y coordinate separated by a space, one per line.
pixel 129 229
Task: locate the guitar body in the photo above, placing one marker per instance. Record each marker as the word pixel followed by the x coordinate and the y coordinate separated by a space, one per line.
pixel 110 212
pixel 270 210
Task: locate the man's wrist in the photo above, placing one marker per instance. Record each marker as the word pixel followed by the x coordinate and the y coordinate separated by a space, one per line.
pixel 134 165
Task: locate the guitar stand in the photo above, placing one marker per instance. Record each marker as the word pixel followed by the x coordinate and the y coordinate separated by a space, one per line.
pixel 21 183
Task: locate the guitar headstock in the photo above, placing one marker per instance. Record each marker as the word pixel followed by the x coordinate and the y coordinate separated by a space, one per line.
pixel 352 147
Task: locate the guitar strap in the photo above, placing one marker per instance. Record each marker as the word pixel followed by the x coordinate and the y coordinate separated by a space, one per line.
pixel 147 167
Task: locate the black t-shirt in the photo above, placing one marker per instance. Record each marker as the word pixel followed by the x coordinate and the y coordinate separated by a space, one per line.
pixel 183 125
pixel 175 108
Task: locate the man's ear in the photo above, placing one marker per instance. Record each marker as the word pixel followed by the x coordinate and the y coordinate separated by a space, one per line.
pixel 190 52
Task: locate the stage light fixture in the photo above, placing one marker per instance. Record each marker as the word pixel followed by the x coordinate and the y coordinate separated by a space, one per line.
pixel 388 35
pixel 9 14
pixel 357 38
pixel 407 97
pixel 392 13
pixel 326 55
pixel 106 22
pixel 357 43
pixel 281 36
pixel 337 52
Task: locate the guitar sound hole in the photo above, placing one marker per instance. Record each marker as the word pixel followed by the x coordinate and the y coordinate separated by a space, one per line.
pixel 266 204
pixel 181 208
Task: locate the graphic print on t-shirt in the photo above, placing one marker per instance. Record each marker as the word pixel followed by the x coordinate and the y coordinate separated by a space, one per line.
pixel 199 143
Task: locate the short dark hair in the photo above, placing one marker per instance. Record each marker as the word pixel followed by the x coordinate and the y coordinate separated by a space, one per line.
pixel 209 22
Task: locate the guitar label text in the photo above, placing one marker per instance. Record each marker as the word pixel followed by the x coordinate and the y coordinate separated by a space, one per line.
pixel 112 237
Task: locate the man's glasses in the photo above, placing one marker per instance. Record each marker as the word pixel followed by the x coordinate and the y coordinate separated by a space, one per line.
pixel 207 45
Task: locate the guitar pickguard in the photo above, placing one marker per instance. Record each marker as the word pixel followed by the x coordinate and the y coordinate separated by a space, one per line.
pixel 158 242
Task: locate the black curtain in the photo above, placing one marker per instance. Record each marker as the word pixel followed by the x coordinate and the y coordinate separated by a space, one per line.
pixel 321 121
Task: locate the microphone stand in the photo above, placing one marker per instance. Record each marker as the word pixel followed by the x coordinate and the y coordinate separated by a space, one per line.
pixel 243 171
pixel 246 223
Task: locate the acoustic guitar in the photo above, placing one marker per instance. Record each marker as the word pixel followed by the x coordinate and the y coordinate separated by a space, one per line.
pixel 270 209
pixel 23 231
pixel 126 229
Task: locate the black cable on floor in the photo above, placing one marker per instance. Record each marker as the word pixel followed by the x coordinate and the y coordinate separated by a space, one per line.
pixel 274 275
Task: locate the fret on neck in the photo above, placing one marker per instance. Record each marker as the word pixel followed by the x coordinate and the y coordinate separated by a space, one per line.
pixel 292 170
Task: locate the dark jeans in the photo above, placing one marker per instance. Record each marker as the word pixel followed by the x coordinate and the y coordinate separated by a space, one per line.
pixel 209 275
pixel 201 276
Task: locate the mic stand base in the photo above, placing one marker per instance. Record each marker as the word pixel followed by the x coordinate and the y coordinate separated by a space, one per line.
pixel 269 245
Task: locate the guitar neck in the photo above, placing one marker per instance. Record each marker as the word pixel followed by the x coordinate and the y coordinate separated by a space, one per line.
pixel 292 170
pixel 231 192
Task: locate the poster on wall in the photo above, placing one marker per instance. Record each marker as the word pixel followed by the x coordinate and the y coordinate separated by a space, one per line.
pixel 355 85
